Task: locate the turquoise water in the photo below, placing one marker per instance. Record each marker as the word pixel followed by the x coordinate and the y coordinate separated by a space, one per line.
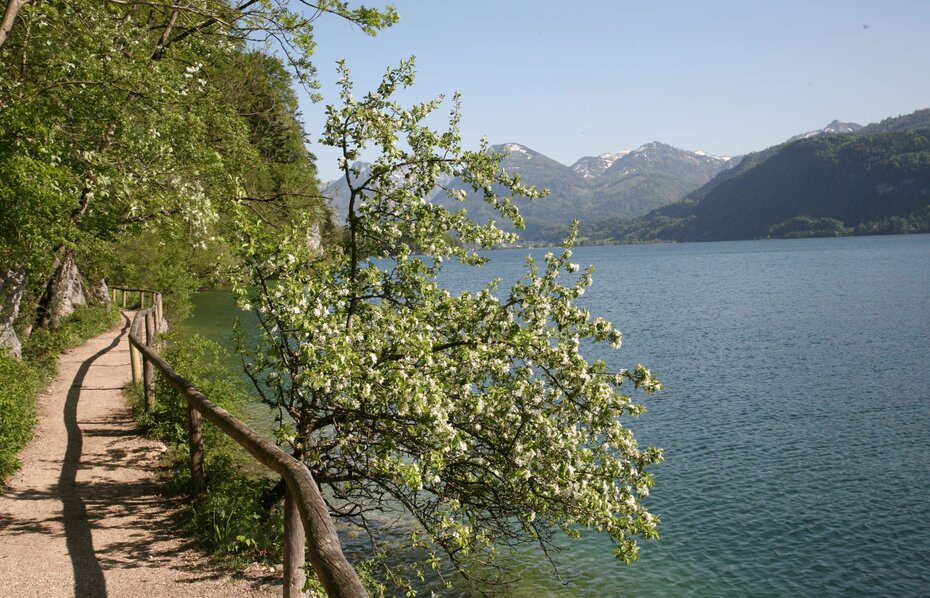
pixel 795 420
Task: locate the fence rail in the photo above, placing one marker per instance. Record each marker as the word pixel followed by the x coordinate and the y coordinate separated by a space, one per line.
pixel 308 527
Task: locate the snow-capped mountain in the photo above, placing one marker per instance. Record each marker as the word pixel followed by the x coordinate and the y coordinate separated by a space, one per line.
pixel 660 158
pixel 834 128
pixel 594 166
pixel 622 184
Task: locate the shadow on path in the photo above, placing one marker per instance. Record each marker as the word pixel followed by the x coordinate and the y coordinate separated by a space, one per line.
pixel 88 576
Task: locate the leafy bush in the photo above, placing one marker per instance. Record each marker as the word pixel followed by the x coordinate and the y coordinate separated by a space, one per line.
pixel 19 384
pixel 232 517
pixel 44 345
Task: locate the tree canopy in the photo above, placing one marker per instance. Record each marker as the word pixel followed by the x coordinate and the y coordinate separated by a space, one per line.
pixel 124 115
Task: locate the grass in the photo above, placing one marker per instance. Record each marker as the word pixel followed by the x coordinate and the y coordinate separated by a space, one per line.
pixel 22 381
pixel 239 517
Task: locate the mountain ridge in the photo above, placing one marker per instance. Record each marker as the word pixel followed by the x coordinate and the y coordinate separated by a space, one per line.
pixel 628 183
pixel 841 179
pixel 871 180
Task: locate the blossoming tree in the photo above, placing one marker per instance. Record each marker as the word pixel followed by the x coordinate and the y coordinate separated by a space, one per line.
pixel 475 412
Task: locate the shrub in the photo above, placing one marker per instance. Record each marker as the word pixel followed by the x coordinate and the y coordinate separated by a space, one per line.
pixel 206 364
pixel 19 384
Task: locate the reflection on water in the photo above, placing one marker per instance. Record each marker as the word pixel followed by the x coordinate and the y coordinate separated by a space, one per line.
pixel 795 421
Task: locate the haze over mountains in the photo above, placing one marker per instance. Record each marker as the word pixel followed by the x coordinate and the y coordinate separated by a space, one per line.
pixel 841 179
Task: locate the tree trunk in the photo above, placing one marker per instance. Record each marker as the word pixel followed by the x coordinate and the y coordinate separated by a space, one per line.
pixel 63 291
pixel 9 15
pixel 12 285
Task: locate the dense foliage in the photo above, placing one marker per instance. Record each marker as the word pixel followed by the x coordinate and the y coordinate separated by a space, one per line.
pixel 130 132
pixel 919 119
pixel 475 412
pixel 19 385
pixel 122 118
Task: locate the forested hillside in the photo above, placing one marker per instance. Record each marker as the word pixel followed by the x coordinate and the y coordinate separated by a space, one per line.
pixel 126 125
pixel 869 182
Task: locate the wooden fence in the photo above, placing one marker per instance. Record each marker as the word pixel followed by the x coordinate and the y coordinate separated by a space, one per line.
pixel 308 527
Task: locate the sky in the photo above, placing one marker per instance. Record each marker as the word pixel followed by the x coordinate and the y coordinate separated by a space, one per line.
pixel 585 78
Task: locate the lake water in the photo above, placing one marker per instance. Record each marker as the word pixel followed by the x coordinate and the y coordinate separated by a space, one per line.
pixel 795 420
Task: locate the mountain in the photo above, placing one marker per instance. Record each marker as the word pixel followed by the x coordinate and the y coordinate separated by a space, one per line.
pixel 338 192
pixel 541 171
pixel 659 158
pixel 591 167
pixel 623 184
pixel 834 128
pixel 875 180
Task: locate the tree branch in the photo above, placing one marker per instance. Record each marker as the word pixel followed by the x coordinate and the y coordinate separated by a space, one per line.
pixel 279 196
pixel 204 25
pixel 160 49
pixel 164 213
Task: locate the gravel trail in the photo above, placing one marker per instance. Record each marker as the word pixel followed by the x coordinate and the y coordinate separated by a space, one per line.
pixel 84 517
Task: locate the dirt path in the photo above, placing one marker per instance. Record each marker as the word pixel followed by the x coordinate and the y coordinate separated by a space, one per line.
pixel 83 517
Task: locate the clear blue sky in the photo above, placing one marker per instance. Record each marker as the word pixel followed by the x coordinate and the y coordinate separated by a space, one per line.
pixel 570 79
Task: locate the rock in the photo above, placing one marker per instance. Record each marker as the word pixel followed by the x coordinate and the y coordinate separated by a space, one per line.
pixel 63 292
pixel 100 293
pixel 315 239
pixel 12 285
pixel 74 290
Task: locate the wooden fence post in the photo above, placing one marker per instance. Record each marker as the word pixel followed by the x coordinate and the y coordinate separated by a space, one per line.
pixel 333 570
pixel 294 548
pixel 123 291
pixel 147 373
pixel 195 441
pixel 134 360
pixel 159 315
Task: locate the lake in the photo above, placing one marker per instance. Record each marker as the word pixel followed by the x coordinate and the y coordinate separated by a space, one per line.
pixel 795 420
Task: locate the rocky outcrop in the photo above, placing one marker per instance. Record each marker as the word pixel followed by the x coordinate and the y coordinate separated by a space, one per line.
pixel 12 284
pixel 100 293
pixel 64 291
pixel 315 238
